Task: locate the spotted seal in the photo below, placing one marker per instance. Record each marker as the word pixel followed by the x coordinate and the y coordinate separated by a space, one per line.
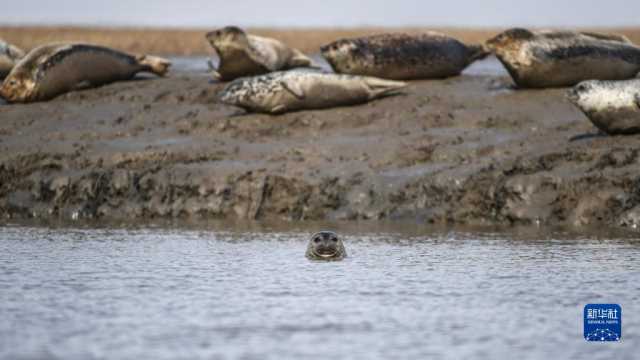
pixel 284 91
pixel 327 246
pixel 540 59
pixel 430 55
pixel 9 55
pixel 52 70
pixel 243 54
pixel 612 106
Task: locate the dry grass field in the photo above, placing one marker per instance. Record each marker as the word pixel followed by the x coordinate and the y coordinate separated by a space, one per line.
pixel 191 41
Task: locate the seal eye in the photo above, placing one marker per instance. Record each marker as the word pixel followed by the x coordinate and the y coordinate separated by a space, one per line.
pixel 316 240
pixel 334 239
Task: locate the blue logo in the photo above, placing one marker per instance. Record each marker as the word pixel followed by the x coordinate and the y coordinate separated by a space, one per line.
pixel 602 322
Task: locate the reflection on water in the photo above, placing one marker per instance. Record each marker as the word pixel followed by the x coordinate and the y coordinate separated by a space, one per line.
pixel 205 294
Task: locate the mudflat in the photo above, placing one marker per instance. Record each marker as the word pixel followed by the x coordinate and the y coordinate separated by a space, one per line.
pixel 466 150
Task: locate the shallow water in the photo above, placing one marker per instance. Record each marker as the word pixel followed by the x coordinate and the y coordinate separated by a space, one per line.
pixel 198 64
pixel 250 293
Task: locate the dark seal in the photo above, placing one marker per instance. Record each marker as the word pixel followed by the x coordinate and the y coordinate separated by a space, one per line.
pixel 428 55
pixel 54 69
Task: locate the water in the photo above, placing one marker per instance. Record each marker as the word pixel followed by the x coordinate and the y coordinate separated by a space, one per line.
pixel 198 64
pixel 250 294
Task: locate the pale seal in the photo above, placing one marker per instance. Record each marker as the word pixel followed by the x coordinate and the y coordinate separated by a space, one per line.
pixel 540 59
pixel 52 70
pixel 326 246
pixel 9 56
pixel 612 106
pixel 284 91
pixel 243 54
pixel 429 55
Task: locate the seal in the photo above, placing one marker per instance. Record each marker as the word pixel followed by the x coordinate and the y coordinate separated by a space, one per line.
pixel 9 56
pixel 541 59
pixel 52 70
pixel 243 54
pixel 430 55
pixel 612 106
pixel 326 246
pixel 284 91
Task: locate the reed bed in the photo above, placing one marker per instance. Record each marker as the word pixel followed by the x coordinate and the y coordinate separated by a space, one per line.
pixel 190 42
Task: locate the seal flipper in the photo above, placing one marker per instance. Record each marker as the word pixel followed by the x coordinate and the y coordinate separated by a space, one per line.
pixel 381 87
pixel 301 60
pixel 293 88
pixel 611 37
pixel 278 109
pixel 154 64
pixel 214 72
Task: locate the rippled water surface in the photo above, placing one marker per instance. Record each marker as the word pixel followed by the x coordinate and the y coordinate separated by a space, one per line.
pixel 209 294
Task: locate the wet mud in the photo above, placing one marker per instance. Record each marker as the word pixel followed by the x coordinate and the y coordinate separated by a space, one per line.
pixel 466 150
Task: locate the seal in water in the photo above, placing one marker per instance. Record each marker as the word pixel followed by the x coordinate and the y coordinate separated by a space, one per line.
pixel 243 54
pixel 326 245
pixel 284 91
pixel 9 56
pixel 564 58
pixel 612 106
pixel 52 70
pixel 430 55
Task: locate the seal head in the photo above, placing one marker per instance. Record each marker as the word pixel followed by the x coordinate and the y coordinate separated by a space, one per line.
pixel 508 37
pixel 327 246
pixel 19 86
pixel 229 34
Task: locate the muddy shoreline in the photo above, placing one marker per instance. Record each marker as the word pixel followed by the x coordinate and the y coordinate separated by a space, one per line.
pixel 466 150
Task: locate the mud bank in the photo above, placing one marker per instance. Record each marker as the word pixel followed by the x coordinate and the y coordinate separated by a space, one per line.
pixel 468 150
